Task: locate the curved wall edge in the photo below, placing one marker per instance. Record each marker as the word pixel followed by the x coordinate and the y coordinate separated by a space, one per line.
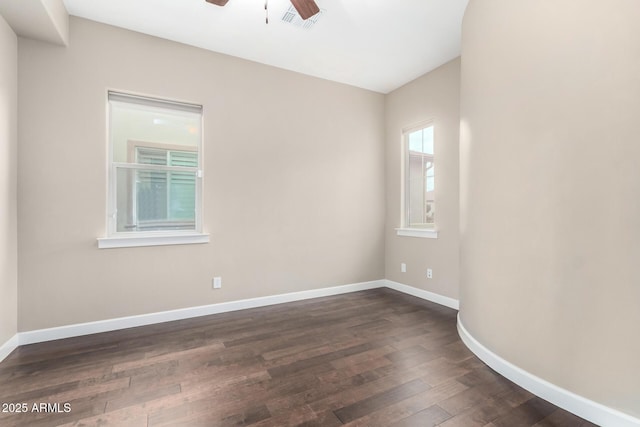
pixel 565 399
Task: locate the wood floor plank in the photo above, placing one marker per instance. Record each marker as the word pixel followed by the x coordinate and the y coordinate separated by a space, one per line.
pixel 528 413
pixel 479 415
pixel 142 395
pixel 463 401
pixel 371 358
pixel 430 417
pixel 294 367
pixel 410 406
pixel 381 400
pixel 562 419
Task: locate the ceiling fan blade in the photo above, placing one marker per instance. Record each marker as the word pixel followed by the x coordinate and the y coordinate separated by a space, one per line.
pixel 306 8
pixel 218 2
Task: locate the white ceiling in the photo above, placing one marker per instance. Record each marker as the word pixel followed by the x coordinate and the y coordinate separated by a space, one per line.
pixel 372 44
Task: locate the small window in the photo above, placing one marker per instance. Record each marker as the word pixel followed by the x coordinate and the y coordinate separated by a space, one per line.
pixel 155 167
pixel 419 171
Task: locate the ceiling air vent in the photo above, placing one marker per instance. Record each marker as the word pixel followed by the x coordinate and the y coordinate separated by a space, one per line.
pixel 291 16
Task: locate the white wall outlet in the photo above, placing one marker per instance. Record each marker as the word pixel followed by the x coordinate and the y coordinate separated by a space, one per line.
pixel 403 268
pixel 217 282
pixel 429 273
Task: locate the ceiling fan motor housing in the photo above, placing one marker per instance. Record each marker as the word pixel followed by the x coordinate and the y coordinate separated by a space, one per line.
pixel 306 8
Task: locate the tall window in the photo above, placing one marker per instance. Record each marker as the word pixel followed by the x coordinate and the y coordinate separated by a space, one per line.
pixel 419 200
pixel 155 174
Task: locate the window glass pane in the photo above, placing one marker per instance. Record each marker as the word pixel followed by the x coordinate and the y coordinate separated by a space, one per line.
pixel 155 200
pixel 427 138
pixel 182 201
pixel 183 159
pixel 150 156
pixel 125 181
pixel 430 176
pixel 133 122
pixel 415 141
pixel 430 211
pixel 151 188
pixel 416 189
pixel 421 141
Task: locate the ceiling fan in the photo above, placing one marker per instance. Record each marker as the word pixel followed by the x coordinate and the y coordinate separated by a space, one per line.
pixel 306 8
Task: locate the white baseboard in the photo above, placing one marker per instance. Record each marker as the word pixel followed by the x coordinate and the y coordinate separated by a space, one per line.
pixel 421 293
pixel 42 335
pixel 9 346
pixel 576 404
pixel 585 408
pixel 80 329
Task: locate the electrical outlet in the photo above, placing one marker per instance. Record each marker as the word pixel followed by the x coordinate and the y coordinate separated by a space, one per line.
pixel 429 273
pixel 217 282
pixel 403 268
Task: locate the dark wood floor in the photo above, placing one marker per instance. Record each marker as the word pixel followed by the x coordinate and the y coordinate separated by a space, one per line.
pixel 374 358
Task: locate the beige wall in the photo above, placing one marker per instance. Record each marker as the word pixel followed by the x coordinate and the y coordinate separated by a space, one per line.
pixel 550 108
pixel 434 96
pixel 293 189
pixel 8 182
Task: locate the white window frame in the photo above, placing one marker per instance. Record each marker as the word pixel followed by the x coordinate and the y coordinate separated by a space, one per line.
pixel 429 231
pixel 116 239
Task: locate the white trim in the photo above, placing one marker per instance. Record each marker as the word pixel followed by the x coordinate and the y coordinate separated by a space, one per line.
pixel 585 408
pixel 150 240
pixel 420 125
pixel 9 346
pixel 576 404
pixel 426 233
pixel 75 330
pixel 421 293
pixel 68 331
pixel 149 101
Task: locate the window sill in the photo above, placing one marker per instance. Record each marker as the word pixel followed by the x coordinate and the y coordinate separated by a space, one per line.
pixel 425 233
pixel 152 240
